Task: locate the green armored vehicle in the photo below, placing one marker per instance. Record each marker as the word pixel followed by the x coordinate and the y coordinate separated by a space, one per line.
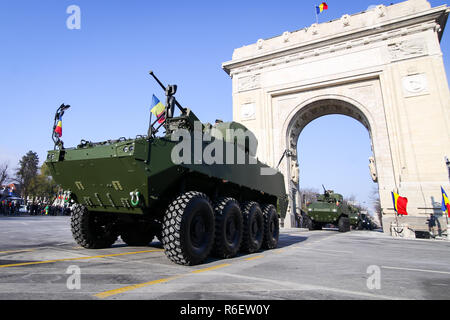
pixel 329 209
pixel 365 222
pixel 354 216
pixel 197 187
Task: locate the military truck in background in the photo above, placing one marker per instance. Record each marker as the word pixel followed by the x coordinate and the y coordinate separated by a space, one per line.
pixel 366 222
pixel 354 216
pixel 136 189
pixel 329 208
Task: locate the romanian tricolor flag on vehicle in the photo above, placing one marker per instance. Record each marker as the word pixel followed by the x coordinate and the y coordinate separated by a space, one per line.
pixel 158 109
pixel 445 202
pixel 58 128
pixel 321 7
pixel 400 204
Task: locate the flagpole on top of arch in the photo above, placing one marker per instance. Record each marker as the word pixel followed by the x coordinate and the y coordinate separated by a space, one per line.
pixel 319 9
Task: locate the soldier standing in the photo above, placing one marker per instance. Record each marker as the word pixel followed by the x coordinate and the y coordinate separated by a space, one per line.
pixel 432 225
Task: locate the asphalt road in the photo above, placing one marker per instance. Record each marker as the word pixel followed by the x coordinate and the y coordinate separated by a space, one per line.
pixel 40 260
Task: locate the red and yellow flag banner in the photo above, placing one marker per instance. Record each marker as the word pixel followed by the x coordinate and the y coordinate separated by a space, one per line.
pixel 158 109
pixel 400 204
pixel 58 128
pixel 321 7
pixel 445 203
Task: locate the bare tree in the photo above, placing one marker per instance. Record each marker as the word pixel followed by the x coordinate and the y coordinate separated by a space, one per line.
pixel 308 195
pixel 4 174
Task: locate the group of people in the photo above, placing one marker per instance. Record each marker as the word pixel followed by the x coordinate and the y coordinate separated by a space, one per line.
pixel 8 207
pixel 47 209
pixel 12 208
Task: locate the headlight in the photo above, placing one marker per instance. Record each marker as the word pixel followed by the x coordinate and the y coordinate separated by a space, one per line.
pixel 125 149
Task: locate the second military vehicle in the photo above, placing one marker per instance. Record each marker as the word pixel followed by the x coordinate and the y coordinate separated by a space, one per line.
pixel 354 216
pixel 365 222
pixel 329 209
pixel 198 187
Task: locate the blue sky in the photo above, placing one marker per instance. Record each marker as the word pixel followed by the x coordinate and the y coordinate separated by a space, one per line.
pixel 101 70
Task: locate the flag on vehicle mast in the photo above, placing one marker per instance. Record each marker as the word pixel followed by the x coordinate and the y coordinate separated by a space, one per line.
pixel 158 109
pixel 58 128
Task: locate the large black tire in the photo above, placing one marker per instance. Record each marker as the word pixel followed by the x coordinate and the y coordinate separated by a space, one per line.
pixel 271 227
pixel 313 226
pixel 344 224
pixel 253 227
pixel 229 228
pixel 188 229
pixel 93 230
pixel 137 234
pixel 360 226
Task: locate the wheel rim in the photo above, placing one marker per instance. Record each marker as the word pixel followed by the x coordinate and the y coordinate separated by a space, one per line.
pixel 198 232
pixel 272 227
pixel 231 231
pixel 256 229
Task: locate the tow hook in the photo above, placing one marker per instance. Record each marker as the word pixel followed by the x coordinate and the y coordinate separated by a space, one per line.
pixel 66 196
pixel 135 198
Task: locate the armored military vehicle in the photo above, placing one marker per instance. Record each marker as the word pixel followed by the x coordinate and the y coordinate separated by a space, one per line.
pixel 365 222
pixel 354 216
pixel 197 187
pixel 328 209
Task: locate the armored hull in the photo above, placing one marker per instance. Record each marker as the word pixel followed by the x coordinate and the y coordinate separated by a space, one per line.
pixel 102 176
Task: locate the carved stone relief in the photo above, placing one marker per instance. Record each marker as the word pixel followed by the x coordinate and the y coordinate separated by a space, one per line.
pixel 407 49
pixel 248 112
pixel 250 82
pixel 414 85
pixel 373 169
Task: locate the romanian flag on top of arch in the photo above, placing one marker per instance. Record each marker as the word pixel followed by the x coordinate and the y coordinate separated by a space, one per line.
pixel 58 128
pixel 158 109
pixel 321 7
pixel 400 204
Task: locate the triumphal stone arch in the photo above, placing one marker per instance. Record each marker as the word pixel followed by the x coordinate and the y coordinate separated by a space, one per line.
pixel 382 67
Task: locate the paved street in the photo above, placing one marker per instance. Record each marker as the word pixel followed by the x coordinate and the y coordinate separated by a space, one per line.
pixel 39 260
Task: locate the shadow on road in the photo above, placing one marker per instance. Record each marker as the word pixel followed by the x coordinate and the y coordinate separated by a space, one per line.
pixel 287 240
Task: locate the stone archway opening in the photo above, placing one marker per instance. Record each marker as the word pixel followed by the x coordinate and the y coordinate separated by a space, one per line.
pixel 312 112
pixel 333 153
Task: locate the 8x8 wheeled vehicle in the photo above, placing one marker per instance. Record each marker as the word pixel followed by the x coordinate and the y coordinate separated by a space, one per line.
pixel 198 187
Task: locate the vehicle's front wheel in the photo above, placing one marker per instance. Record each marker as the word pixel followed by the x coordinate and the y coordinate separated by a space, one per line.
pixel 188 229
pixel 344 224
pixel 93 230
pixel 313 225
